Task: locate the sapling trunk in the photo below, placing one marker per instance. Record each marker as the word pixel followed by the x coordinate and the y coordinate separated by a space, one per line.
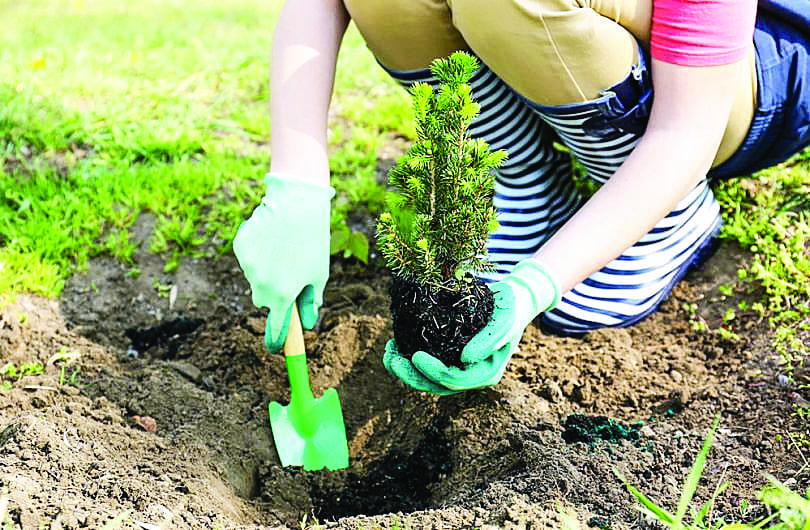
pixel 440 215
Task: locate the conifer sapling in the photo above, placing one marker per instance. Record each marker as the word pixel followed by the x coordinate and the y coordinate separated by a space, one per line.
pixel 440 214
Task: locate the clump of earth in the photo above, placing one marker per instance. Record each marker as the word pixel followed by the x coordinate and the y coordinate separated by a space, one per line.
pixel 167 422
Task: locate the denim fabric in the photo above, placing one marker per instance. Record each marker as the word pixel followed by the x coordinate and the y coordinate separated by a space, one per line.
pixel 621 109
pixel 781 124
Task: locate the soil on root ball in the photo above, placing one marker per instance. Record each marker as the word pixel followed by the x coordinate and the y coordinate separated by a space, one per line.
pixel 437 320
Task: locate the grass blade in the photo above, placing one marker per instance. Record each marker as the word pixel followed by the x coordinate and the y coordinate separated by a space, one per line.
pixel 690 486
pixel 652 508
pixel 707 508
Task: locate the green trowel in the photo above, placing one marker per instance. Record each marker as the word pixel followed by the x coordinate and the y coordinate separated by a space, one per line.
pixel 308 432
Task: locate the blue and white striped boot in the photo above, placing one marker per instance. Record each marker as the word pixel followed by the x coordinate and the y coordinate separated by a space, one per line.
pixel 534 192
pixel 601 134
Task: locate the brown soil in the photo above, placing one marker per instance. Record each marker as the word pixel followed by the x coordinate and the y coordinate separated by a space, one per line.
pixel 75 456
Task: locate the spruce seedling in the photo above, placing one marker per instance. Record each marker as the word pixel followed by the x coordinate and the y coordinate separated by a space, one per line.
pixel 433 236
pixel 441 212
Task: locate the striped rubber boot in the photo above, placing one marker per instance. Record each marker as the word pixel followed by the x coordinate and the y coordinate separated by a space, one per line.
pixel 601 134
pixel 534 193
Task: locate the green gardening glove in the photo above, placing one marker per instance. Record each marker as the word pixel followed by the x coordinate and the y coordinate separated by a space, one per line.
pixel 283 250
pixel 401 367
pixel 522 295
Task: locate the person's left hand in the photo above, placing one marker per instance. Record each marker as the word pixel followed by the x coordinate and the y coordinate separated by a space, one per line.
pixel 523 294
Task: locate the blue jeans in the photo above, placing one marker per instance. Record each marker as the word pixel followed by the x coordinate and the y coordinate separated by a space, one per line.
pixel 781 124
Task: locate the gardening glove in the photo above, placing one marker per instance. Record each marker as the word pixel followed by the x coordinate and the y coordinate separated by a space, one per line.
pixel 283 250
pixel 400 367
pixel 527 291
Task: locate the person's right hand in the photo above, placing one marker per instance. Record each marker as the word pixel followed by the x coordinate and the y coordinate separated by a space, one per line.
pixel 520 296
pixel 283 250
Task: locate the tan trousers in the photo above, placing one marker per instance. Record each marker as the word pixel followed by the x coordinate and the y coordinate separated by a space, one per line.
pixel 552 52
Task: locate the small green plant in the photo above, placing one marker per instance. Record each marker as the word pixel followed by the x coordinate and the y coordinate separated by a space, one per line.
pixel 305 524
pixel 801 438
pixel 30 368
pixel 727 334
pixel 163 289
pixel 676 521
pixel 8 371
pixel 64 359
pixel 433 236
pixel 768 215
pixel 349 244
pixel 792 510
pixel 441 212
pixel 10 374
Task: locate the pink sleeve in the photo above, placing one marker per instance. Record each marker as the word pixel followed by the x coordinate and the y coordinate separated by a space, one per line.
pixel 702 32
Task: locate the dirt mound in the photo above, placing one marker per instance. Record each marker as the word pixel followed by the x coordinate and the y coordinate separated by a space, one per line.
pixel 197 370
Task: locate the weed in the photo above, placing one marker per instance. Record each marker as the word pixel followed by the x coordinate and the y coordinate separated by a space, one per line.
pixel 792 510
pixel 727 334
pixel 30 368
pixel 163 289
pixel 698 325
pixel 675 521
pixel 691 309
pixel 349 243
pixel 768 215
pixel 801 438
pixel 64 359
pixel 744 508
pixel 309 525
pixel 10 374
pixel 8 371
pixel 725 289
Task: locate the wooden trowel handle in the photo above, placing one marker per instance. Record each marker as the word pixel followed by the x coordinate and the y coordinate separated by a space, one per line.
pixel 294 344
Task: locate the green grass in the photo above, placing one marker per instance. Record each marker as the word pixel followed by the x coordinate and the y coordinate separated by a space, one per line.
pixel 769 216
pixel 112 110
pixel 109 110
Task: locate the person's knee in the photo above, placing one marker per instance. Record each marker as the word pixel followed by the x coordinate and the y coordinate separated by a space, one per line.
pixel 406 34
pixel 511 24
pixel 550 51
